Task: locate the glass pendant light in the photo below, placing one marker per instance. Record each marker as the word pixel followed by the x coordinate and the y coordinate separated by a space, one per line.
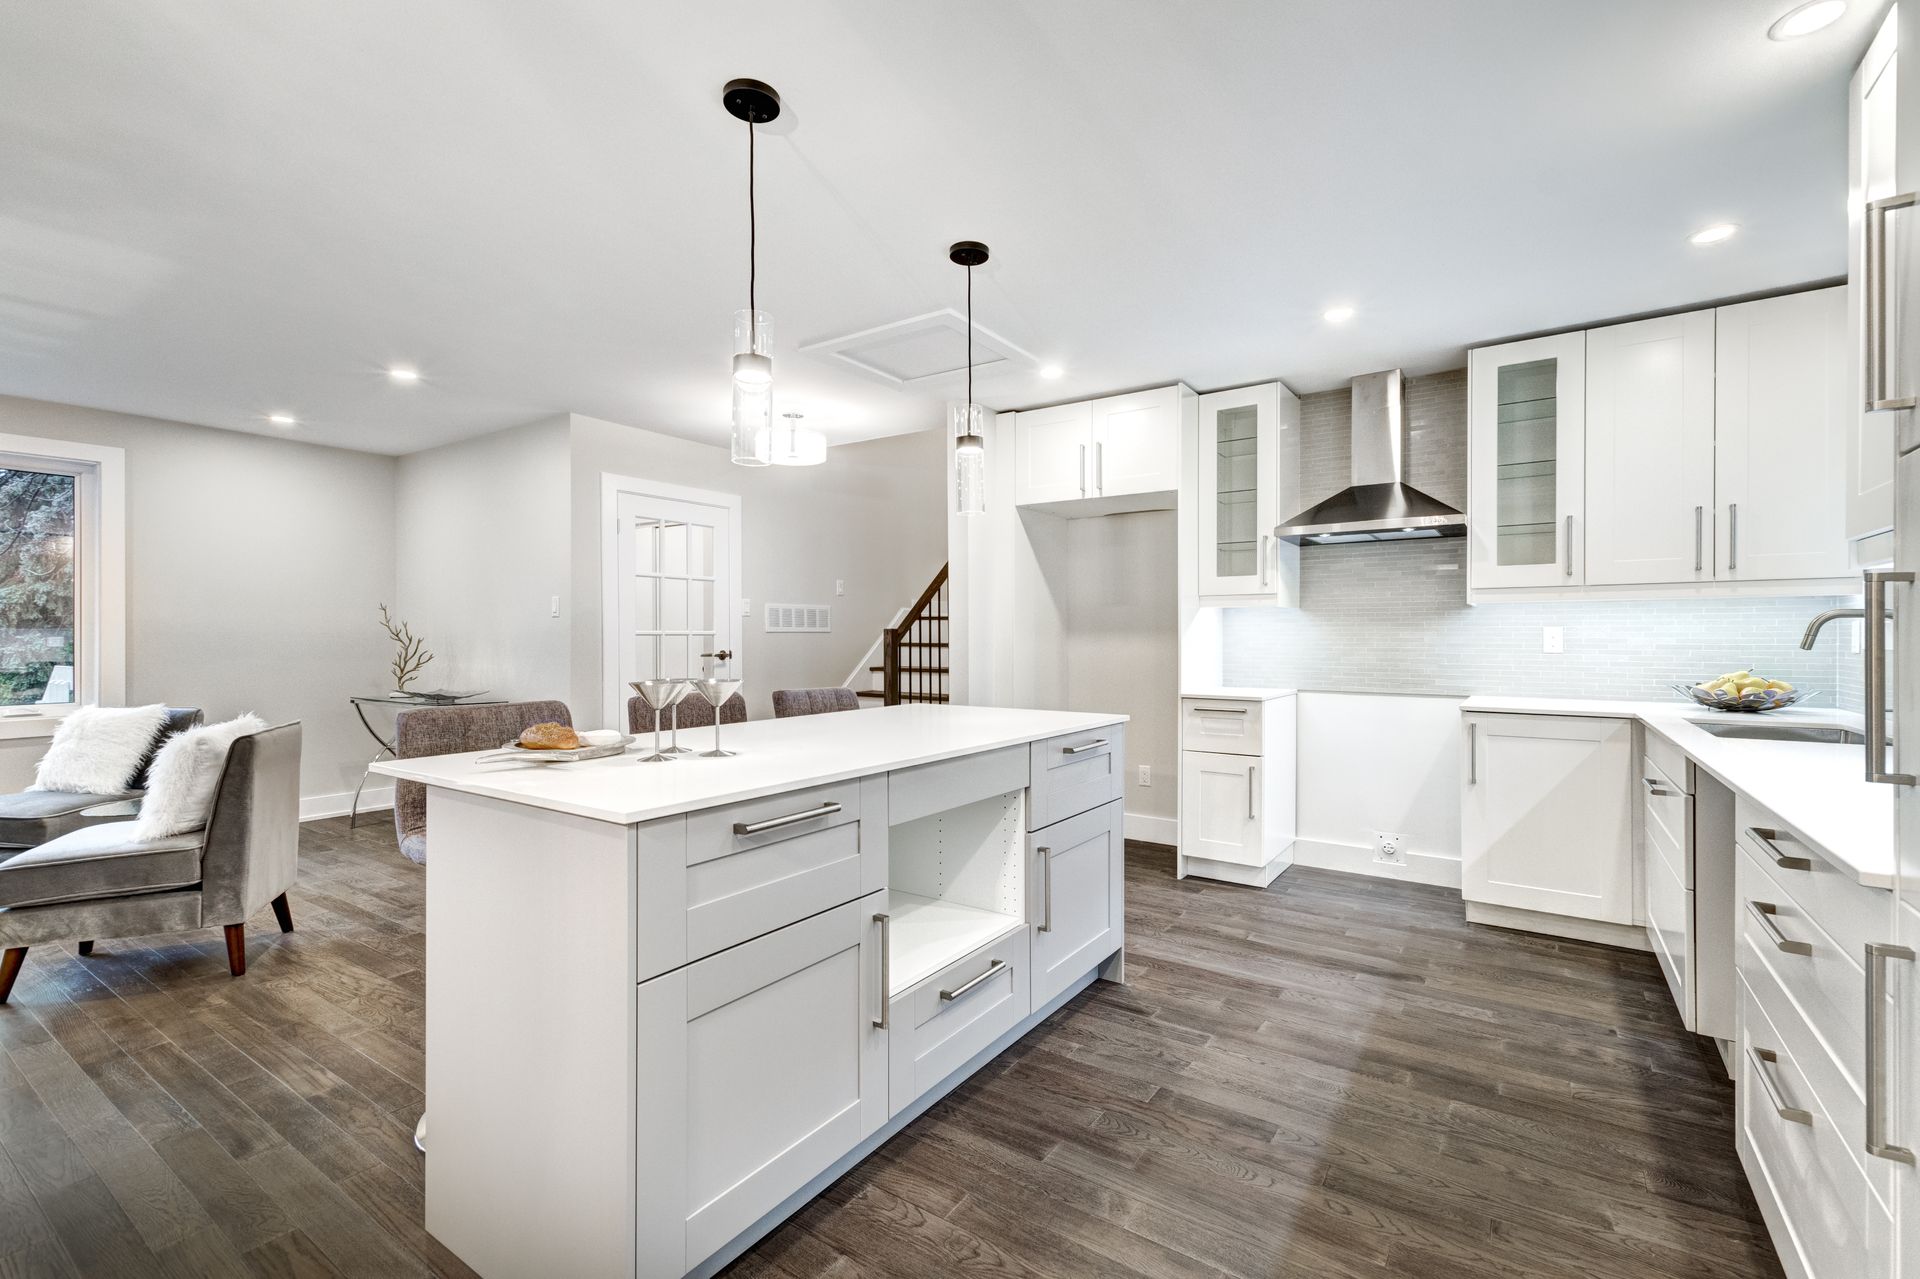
pixel 966 420
pixel 796 445
pixel 755 103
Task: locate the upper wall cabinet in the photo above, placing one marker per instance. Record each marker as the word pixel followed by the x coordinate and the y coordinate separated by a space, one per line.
pixel 1119 447
pixel 1701 452
pixel 1870 176
pixel 1526 451
pixel 1247 481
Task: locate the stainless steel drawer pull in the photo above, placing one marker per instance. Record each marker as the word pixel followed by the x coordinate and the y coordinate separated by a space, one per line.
pixel 1046 891
pixel 1875 625
pixel 1569 546
pixel 1220 710
pixel 976 983
pixel 886 971
pixel 1473 754
pixel 791 819
pixel 1655 788
pixel 1878 400
pixel 1084 747
pixel 1699 537
pixel 1733 534
pixel 1763 1059
pixel 1765 912
pixel 1878 953
pixel 1765 838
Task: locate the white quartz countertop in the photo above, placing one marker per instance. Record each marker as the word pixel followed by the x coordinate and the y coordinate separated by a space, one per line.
pixel 775 755
pixel 1817 790
pixel 1239 694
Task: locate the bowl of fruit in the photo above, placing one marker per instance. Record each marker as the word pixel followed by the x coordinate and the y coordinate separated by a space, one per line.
pixel 1743 691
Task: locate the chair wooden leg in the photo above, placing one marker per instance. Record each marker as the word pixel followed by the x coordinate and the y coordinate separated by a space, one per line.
pixel 283 912
pixel 86 948
pixel 10 968
pixel 237 949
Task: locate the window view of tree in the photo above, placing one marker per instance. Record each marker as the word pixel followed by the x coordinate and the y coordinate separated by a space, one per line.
pixel 36 587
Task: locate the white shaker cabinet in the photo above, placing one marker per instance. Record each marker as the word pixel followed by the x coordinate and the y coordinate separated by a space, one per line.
pixel 1649 451
pixel 1247 481
pixel 1117 447
pixel 1781 415
pixel 1870 174
pixel 1051 453
pixel 1526 446
pixel 1238 815
pixel 1077 896
pixel 1546 815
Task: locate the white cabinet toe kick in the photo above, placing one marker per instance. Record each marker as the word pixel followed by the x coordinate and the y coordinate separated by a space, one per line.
pixel 649 1043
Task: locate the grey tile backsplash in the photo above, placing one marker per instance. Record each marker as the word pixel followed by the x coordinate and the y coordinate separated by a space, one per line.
pixel 1392 617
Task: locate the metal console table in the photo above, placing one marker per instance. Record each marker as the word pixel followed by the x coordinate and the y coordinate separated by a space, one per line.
pixel 408 702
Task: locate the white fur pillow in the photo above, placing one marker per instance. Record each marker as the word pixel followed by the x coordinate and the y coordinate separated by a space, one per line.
pixel 97 749
pixel 185 774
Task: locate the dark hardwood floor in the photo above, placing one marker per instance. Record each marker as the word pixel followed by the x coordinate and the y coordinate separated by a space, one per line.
pixel 1334 1077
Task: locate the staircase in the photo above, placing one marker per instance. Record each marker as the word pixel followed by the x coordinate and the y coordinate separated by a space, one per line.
pixel 913 651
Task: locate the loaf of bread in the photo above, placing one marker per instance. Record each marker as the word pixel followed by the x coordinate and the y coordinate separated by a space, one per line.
pixel 550 737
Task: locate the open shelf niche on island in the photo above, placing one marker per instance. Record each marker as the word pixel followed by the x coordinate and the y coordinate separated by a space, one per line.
pixel 957 882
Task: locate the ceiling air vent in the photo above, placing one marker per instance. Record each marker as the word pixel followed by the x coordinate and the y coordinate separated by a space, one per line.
pixel 793 618
pixel 922 351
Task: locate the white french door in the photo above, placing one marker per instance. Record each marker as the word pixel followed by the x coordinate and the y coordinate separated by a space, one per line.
pixel 673 590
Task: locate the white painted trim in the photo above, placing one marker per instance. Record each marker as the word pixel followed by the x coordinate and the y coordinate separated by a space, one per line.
pixel 372 799
pixel 1624 936
pixel 1233 872
pixel 1153 830
pixel 1420 868
pixel 1742 589
pixel 101 624
pixel 611 487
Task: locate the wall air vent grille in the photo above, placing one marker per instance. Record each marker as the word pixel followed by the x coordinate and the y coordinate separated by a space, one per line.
pixel 799 618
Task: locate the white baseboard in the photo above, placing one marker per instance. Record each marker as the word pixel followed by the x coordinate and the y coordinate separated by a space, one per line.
pixel 1231 873
pixel 313 807
pixel 1152 830
pixel 1625 936
pixel 1419 868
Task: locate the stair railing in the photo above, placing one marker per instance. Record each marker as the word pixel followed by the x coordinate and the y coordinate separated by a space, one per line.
pixel 914 653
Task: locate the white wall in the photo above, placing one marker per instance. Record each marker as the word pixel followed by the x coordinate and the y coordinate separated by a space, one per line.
pixel 483 532
pixel 254 570
pixel 1372 763
pixel 874 516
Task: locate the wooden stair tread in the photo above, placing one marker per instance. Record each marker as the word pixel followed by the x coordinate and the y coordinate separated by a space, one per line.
pixel 911 670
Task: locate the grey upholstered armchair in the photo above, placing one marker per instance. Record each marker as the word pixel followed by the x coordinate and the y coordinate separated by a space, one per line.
pixel 451 730
pixel 33 817
pixel 98 882
pixel 788 702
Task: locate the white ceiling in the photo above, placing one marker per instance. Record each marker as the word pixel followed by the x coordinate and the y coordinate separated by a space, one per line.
pixel 214 211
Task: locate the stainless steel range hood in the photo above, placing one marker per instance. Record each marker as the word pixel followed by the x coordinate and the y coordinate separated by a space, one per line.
pixel 1377 506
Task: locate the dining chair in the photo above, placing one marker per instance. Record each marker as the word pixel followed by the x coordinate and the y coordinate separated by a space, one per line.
pixel 813 701
pixel 453 730
pixel 693 712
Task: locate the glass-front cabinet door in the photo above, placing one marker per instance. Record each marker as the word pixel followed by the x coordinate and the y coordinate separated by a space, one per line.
pixel 1248 475
pixel 1527 436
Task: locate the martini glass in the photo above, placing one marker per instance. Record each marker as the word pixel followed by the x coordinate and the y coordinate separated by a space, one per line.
pixel 658 694
pixel 717 691
pixel 673 729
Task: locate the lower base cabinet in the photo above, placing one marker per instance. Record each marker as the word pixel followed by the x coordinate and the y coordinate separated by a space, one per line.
pixel 942 1023
pixel 758 1067
pixel 1076 895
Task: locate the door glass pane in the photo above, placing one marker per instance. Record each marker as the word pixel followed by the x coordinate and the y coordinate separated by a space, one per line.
pixel 700 606
pixel 646 657
pixel 646 603
pixel 673 657
pixel 700 550
pixel 646 546
pixel 673 604
pixel 36 587
pixel 673 549
pixel 1236 491
pixel 1526 464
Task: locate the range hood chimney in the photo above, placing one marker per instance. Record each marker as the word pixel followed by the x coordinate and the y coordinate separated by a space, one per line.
pixel 1377 506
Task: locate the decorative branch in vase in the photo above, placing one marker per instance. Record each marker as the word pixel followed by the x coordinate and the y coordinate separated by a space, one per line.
pixel 410 652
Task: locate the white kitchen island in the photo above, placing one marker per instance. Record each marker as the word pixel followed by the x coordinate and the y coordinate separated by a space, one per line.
pixel 669 1003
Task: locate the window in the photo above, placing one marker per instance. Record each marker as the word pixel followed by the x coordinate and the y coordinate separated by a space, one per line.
pixel 62 592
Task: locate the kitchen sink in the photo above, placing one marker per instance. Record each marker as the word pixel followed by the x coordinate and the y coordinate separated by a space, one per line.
pixel 1763 732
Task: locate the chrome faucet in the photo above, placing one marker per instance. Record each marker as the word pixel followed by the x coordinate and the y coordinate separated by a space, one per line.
pixel 1831 615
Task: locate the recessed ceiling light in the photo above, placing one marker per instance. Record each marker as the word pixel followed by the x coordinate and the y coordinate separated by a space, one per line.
pixel 1807 19
pixel 1051 371
pixel 1337 314
pixel 1718 233
pixel 283 419
pixel 404 374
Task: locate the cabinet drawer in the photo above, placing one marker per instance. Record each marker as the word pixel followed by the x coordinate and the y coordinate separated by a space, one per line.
pixel 1074 773
pixel 1850 912
pixel 1666 820
pixel 1824 983
pixel 1803 1156
pixel 1223 725
pixel 1669 759
pixel 941 1023
pixel 1670 929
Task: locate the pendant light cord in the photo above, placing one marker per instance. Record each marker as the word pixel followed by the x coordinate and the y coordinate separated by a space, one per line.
pixel 969 350
pixel 753 251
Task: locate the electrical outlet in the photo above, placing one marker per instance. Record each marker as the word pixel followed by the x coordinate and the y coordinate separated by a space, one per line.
pixel 1553 639
pixel 1389 849
pixel 1146 774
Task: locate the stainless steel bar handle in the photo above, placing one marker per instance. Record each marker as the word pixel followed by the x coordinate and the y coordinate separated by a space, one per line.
pixel 1699 538
pixel 1762 1060
pixel 1473 754
pixel 1046 891
pixel 1099 468
pixel 1654 787
pixel 1878 401
pixel 1220 710
pixel 1733 534
pixel 1764 837
pixel 976 983
pixel 1266 540
pixel 1253 789
pixel 1569 546
pixel 1083 470
pixel 886 971
pixel 1875 656
pixel 1878 953
pixel 775 823
pixel 1084 747
pixel 1765 912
